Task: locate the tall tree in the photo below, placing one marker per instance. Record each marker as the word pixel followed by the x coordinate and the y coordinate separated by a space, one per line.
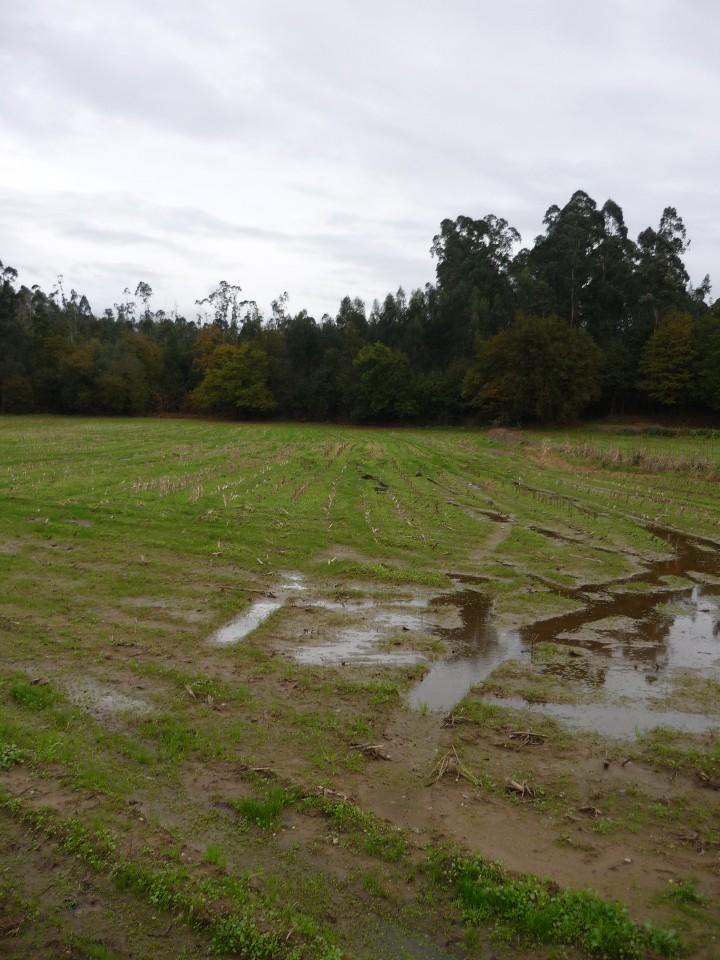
pixel 540 368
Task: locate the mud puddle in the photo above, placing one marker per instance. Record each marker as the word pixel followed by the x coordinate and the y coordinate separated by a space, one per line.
pixel 241 626
pixel 612 719
pixel 377 620
pixel 358 645
pixel 477 648
pixel 257 613
pixel 639 638
pixel 104 702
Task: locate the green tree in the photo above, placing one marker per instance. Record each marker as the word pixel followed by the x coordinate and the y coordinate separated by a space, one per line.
pixel 707 329
pixel 235 382
pixel 540 368
pixel 667 365
pixel 661 277
pixel 384 384
pixel 474 295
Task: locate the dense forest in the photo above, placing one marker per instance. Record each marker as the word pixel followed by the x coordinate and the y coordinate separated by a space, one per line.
pixel 585 321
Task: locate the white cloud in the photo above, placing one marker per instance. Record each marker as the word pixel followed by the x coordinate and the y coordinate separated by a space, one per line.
pixel 315 147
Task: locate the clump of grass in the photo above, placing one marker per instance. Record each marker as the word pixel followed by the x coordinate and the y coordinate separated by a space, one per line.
pixel 542 913
pixel 378 692
pixel 685 892
pixel 389 574
pixel 92 950
pixel 198 685
pixel 175 741
pixel 364 831
pixel 214 854
pixel 240 936
pixel 33 696
pixel 677 751
pixel 373 885
pixel 264 810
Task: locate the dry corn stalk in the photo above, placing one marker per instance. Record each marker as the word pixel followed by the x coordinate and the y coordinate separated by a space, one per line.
pixel 373 750
pixel 527 737
pixel 454 719
pixel 451 763
pixel 522 790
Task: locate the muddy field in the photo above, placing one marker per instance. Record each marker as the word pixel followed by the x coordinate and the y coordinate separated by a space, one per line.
pixel 316 692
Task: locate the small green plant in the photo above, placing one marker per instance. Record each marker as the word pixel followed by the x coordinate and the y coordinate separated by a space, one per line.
pixel 240 936
pixel 10 754
pixel 264 810
pixel 365 831
pixel 175 741
pixel 92 950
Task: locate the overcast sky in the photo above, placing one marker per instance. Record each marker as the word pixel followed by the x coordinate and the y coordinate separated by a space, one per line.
pixel 315 147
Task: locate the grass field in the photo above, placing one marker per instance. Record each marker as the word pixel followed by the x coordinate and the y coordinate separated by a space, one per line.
pixel 288 795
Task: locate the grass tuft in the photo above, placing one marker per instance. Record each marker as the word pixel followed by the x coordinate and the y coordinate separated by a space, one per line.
pixel 542 913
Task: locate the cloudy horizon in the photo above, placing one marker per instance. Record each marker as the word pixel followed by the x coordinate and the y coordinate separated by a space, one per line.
pixel 312 149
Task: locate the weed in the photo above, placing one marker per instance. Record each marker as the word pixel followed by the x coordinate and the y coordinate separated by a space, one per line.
pixel 10 754
pixel 240 936
pixel 264 810
pixel 92 950
pixel 363 829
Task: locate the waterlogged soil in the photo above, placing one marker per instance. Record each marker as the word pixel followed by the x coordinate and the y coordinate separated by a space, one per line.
pixel 428 708
pixel 636 640
pixel 628 641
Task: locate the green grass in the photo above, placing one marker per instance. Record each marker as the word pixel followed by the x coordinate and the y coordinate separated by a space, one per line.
pixel 673 750
pixel 186 523
pixel 33 696
pixel 540 913
pixel 214 855
pixel 685 892
pixel 265 809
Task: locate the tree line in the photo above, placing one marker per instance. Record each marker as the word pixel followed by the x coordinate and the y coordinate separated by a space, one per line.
pixel 584 321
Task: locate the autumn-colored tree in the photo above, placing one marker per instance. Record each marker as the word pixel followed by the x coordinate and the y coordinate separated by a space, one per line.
pixel 235 382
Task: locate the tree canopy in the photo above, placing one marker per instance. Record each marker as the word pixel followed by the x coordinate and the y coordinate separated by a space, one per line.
pixel 583 319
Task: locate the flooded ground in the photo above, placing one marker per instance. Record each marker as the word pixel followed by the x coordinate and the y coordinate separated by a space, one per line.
pixel 638 634
pixel 641 639
pixel 241 626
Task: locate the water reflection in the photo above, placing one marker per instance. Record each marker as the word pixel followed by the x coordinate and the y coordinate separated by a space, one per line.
pixel 640 635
